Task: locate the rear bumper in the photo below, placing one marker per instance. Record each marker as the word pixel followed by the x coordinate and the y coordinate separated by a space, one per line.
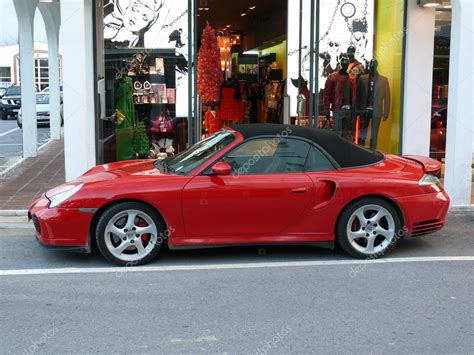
pixel 424 214
pixel 60 227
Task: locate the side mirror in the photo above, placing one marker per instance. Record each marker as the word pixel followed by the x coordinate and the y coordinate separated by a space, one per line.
pixel 221 168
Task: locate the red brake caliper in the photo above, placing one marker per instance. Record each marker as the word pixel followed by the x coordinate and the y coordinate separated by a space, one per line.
pixel 145 237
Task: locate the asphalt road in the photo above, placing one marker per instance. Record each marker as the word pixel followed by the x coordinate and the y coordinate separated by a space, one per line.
pixel 11 141
pixel 272 300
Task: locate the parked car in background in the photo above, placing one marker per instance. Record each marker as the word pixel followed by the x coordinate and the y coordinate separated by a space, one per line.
pixel 42 110
pixel 2 92
pixel 11 102
pixel 46 89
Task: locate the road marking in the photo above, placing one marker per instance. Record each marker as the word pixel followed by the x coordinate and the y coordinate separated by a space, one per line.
pixel 10 144
pixel 122 270
pixel 8 132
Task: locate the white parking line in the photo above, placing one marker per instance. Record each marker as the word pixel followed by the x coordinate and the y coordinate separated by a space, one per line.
pixel 121 270
pixel 8 132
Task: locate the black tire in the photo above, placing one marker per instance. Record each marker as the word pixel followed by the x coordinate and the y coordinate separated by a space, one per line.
pixel 385 244
pixel 19 124
pixel 3 116
pixel 112 212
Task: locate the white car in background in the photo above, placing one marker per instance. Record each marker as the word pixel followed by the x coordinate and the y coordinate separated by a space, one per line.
pixel 42 110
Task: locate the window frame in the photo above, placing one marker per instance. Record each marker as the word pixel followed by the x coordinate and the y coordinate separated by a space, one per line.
pixel 208 170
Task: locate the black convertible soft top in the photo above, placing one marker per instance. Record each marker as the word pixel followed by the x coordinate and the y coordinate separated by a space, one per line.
pixel 345 153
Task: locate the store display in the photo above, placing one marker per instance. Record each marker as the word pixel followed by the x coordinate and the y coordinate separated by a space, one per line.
pixel 126 111
pixel 339 98
pixel 373 102
pixel 231 108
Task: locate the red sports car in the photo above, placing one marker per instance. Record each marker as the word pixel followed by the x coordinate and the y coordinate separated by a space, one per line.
pixel 252 184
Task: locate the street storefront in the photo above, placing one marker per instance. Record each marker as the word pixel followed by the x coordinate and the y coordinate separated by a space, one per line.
pixel 143 55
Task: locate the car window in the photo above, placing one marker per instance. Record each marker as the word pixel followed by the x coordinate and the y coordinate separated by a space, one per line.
pixel 317 161
pixel 268 156
pixel 13 90
pixel 193 157
pixel 42 98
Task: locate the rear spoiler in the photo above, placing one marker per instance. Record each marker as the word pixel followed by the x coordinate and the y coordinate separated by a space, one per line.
pixel 431 166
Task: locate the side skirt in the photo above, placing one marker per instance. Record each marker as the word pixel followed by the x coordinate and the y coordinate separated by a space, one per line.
pixel 326 245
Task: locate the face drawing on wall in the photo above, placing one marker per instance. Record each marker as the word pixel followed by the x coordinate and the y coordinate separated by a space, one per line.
pixel 359 38
pixel 130 19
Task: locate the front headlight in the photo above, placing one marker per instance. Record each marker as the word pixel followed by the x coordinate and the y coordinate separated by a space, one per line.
pixel 428 179
pixel 4 102
pixel 56 200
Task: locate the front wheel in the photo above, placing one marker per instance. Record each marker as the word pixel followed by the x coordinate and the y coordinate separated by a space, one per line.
pixel 19 123
pixel 368 228
pixel 129 233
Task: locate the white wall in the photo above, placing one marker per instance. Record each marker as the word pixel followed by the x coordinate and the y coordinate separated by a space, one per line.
pixel 418 79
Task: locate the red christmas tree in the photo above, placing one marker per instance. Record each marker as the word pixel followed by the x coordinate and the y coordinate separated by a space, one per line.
pixel 209 73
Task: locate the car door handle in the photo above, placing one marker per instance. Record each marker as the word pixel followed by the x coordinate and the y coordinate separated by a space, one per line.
pixel 299 190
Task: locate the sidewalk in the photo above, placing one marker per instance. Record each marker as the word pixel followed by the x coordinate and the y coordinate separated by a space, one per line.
pixel 20 186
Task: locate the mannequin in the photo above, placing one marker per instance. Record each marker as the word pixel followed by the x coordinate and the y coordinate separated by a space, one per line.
pixel 373 102
pixel 339 97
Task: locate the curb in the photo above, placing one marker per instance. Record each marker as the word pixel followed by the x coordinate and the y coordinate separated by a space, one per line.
pixel 16 226
pixel 9 213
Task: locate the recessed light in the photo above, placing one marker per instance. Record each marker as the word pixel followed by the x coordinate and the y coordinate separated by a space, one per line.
pixel 206 9
pixel 201 9
pixel 252 7
pixel 243 14
pixel 227 26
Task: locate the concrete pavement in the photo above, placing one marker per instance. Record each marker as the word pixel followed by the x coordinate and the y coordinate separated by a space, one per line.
pixel 405 307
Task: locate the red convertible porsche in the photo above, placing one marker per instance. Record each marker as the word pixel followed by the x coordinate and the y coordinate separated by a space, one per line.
pixel 252 184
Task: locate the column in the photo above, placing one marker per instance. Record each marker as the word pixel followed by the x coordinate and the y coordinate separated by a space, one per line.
pixel 78 86
pixel 459 139
pixel 52 19
pixel 419 37
pixel 25 12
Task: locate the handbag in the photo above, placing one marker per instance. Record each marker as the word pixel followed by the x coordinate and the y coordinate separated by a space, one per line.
pixel 164 124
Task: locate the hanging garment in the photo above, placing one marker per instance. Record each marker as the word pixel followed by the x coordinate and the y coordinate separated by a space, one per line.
pixel 212 123
pixel 125 109
pixel 231 109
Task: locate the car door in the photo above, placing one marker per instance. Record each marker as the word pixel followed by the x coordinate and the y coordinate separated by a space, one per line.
pixel 266 192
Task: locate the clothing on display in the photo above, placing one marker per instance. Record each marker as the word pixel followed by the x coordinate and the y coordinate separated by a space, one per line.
pixel 373 102
pixel 231 109
pixel 212 123
pixel 124 130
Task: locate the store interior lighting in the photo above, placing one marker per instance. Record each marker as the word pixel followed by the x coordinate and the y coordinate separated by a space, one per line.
pixel 429 3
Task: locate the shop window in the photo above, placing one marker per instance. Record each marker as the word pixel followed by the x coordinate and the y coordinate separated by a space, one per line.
pixel 356 61
pixel 142 49
pixel 268 156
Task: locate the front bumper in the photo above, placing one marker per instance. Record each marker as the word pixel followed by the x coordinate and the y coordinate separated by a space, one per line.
pixel 424 214
pixel 10 110
pixel 63 228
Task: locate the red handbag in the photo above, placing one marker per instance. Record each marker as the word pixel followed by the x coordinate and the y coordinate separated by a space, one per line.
pixel 163 124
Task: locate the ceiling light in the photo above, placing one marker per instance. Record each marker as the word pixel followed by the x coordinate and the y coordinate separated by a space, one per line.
pixel 206 9
pixel 227 26
pixel 429 3
pixel 447 6
pixel 252 7
pixel 243 14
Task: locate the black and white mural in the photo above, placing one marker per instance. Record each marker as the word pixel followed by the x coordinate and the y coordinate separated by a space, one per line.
pixel 152 24
pixel 342 24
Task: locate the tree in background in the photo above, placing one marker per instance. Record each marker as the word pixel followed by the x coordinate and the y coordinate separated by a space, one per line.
pixel 209 73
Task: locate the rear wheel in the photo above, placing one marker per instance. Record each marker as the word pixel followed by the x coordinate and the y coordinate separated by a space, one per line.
pixel 129 233
pixel 368 228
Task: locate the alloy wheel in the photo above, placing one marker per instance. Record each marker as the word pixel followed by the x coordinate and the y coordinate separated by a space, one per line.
pixel 131 235
pixel 371 229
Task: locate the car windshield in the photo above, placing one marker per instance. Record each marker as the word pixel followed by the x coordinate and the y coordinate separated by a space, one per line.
pixel 14 90
pixel 190 159
pixel 42 98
